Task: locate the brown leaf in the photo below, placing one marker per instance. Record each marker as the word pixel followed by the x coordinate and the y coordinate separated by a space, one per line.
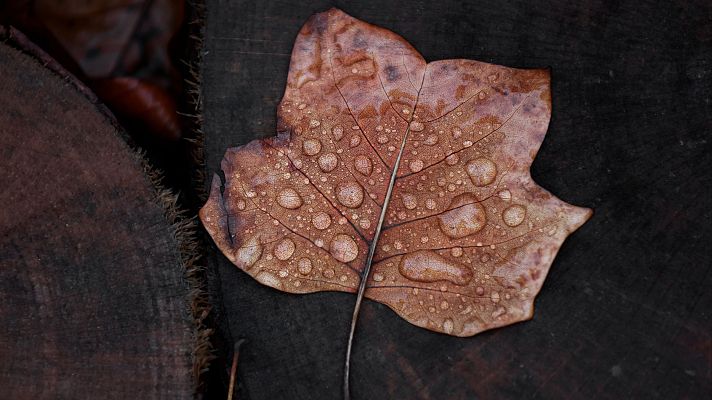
pixel 403 181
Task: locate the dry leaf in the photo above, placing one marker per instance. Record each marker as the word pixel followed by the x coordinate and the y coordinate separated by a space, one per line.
pixel 458 240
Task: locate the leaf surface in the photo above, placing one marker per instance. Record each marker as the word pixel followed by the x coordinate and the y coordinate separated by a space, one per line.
pixel 402 181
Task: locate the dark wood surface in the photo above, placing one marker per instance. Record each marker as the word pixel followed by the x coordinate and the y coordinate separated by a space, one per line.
pixel 93 300
pixel 625 312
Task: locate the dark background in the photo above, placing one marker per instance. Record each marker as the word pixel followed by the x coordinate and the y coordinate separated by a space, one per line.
pixel 625 312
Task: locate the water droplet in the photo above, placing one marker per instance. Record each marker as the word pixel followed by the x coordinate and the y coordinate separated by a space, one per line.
pixel 241 204
pixel 343 248
pixel 314 123
pixel 321 220
pixel 304 266
pixel 382 139
pixel 409 201
pixel 355 141
pixel 328 273
pixel 484 258
pixel 430 204
pixel 466 217
pixel 327 162
pixel 350 194
pixel 311 147
pixel 498 312
pixel 448 326
pixel 289 199
pixel 364 223
pixel 444 305
pixel 427 266
pixel 479 290
pixel 514 215
pixel 337 132
pixel 378 277
pixel 482 95
pixel 456 132
pixel 398 244
pixel 505 195
pixel 482 171
pixel 416 165
pixel 456 251
pixel 302 106
pixel 283 273
pixel 494 297
pixel 416 126
pixel 363 165
pixel 284 249
pixel 269 279
pixel 249 252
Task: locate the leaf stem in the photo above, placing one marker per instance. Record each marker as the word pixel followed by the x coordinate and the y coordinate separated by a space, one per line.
pixel 372 247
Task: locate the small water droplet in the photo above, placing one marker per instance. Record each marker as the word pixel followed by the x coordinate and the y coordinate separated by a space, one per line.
pixel 355 141
pixel 337 132
pixel 416 126
pixel 505 195
pixel 494 297
pixel 378 277
pixel 289 199
pixel 328 273
pixel 314 123
pixel 304 266
pixel 430 204
pixel 409 201
pixel 343 248
pixel 321 220
pixel 350 194
pixel 364 223
pixel 302 106
pixel 448 326
pixel 363 165
pixel 479 290
pixel 241 204
pixel 444 305
pixel 456 132
pixel 382 139
pixel 311 147
pixel 456 251
pixel 514 215
pixel 328 161
pixel 416 165
pixel 482 171
pixel 284 249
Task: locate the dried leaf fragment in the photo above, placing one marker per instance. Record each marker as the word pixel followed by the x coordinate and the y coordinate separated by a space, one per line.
pixel 411 176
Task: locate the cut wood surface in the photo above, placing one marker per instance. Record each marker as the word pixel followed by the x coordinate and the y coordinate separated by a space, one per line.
pixel 93 299
pixel 624 312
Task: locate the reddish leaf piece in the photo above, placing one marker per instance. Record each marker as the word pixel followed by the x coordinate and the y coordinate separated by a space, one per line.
pixel 399 180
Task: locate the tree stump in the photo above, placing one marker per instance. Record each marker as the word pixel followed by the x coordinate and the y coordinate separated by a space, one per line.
pixel 94 298
pixel 625 310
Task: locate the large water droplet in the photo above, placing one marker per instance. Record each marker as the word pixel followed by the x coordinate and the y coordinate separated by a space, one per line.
pixel 249 252
pixel 428 266
pixel 482 171
pixel 466 217
pixel 350 194
pixel 514 215
pixel 363 165
pixel 311 147
pixel 321 220
pixel 409 201
pixel 269 279
pixel 289 199
pixel 304 266
pixel 343 248
pixel 328 161
pixel 284 249
pixel 337 132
